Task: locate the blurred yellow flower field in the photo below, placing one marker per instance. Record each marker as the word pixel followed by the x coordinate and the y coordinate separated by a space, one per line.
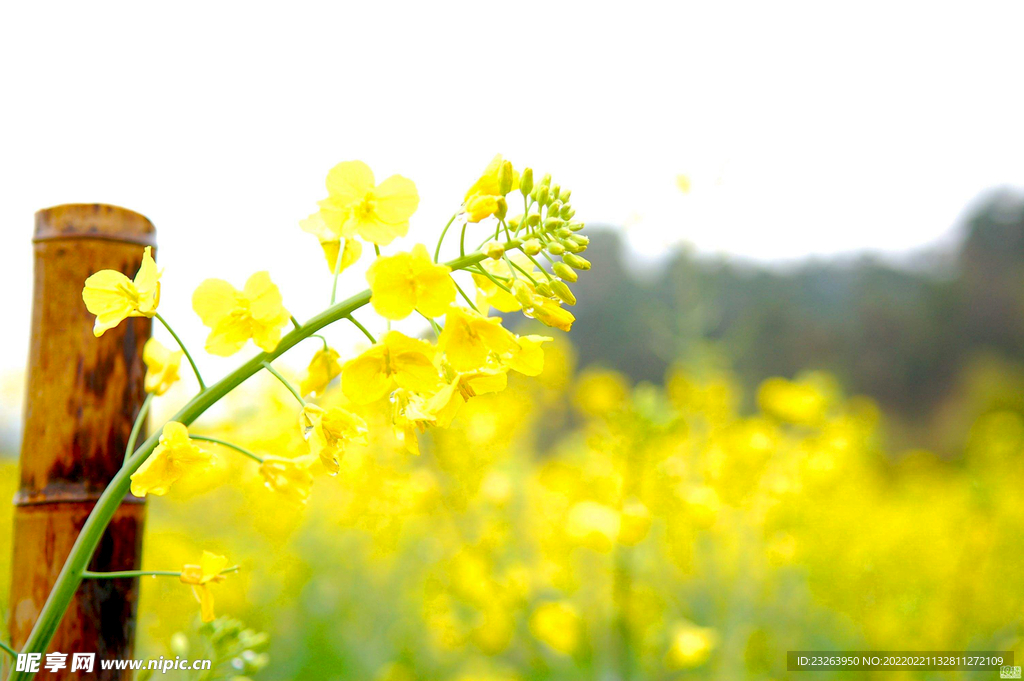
pixel 578 525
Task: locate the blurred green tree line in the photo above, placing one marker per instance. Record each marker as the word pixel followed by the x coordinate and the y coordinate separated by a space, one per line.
pixel 937 338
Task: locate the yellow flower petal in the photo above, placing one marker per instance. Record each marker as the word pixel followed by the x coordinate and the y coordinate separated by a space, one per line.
pixel 161 366
pixel 214 300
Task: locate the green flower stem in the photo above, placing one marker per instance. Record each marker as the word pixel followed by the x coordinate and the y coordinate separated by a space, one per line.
pixel 137 427
pixel 89 574
pixel 88 539
pixel 525 273
pixel 437 251
pixel 222 443
pixel 195 369
pixel 462 240
pixel 482 271
pixel 295 322
pixel 284 381
pixel 467 298
pixel 433 324
pixel 539 266
pixel 362 328
pixel 9 650
pixel 337 271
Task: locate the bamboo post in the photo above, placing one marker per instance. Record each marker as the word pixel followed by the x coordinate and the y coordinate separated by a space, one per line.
pixel 82 397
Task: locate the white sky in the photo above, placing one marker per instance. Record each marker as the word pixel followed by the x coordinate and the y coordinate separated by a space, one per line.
pixel 816 128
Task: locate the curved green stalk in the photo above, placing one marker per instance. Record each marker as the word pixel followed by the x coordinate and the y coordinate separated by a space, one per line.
pixel 195 369
pixel 363 329
pixel 89 574
pixel 285 382
pixel 229 445
pixel 437 251
pixel 137 426
pixel 9 650
pixel 72 572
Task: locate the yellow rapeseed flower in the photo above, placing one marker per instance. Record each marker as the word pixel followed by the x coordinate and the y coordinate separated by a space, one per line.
pixel 356 206
pixel 323 368
pixel 235 316
pixel 690 646
pixel 405 282
pixel 486 195
pixel 593 524
pixel 395 361
pixel 161 366
pixel 447 401
pixel 329 431
pixel 528 357
pixel 113 297
pixel 489 293
pixel 199 577
pixel 330 242
pixel 289 477
pixel 548 311
pixel 409 415
pixel 558 625
pixel 175 456
pixel 469 339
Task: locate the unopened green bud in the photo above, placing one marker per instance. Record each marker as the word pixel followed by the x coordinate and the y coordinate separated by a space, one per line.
pixel 581 239
pixel 576 226
pixel 554 191
pixel 556 248
pixel 533 220
pixel 542 194
pixel 564 195
pixel 546 180
pixel 494 250
pixel 572 246
pixel 560 232
pixel 555 206
pixel 532 246
pixel 502 208
pixel 545 290
pixel 526 181
pixel 576 262
pixel 564 271
pixel 513 222
pixel 562 292
pixel 567 212
pixel 505 178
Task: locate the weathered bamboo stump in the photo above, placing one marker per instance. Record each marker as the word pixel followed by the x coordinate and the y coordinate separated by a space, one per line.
pixel 82 397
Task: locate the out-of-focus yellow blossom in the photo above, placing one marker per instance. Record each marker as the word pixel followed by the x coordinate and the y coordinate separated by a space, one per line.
pixel 329 431
pixel 447 401
pixel 793 401
pixel 635 523
pixel 547 311
pixel 161 366
pixel 486 195
pixel 395 361
pixel 235 316
pixel 289 477
pixel 409 416
pixel 469 339
pixel 703 505
pixel 405 282
pixel 172 458
pixel 322 369
pixel 113 297
pixel 355 205
pixel 330 242
pixel 683 183
pixel 199 577
pixel 690 646
pixel 558 625
pixel 593 524
pixel 600 391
